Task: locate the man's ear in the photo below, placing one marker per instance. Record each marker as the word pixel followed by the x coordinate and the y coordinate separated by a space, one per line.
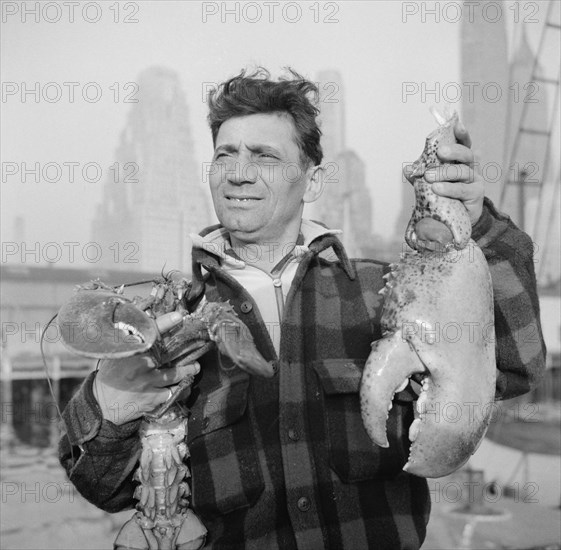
pixel 315 182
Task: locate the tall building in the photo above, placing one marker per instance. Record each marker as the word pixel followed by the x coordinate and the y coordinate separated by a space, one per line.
pixel 355 203
pixel 495 125
pixel 484 85
pixel 484 80
pixel 332 124
pixel 346 202
pixel 332 115
pixel 485 88
pixel 153 198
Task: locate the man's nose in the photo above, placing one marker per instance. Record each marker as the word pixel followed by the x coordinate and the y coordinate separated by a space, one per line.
pixel 242 171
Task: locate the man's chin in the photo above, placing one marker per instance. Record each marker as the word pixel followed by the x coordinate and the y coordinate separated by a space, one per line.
pixel 246 235
pixel 239 227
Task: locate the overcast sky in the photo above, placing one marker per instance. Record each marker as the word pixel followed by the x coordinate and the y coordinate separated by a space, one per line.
pixel 377 47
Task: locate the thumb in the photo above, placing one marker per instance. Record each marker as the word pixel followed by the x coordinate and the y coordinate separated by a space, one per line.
pixel 168 321
pixel 408 173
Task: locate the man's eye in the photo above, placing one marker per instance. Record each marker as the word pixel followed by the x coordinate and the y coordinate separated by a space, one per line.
pixel 268 156
pixel 220 155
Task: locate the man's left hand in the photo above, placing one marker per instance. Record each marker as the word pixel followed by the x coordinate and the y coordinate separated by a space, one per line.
pixel 456 178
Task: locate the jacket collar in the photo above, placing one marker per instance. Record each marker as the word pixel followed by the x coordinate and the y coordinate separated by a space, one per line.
pixel 216 241
pixel 212 248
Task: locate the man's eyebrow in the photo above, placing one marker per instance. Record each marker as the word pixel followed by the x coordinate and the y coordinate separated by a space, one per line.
pixel 265 149
pixel 228 148
pixel 256 149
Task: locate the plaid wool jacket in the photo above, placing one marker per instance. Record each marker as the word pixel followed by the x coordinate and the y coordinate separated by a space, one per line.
pixel 285 463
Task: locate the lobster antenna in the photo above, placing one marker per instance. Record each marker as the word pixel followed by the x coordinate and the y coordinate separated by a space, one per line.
pixel 50 384
pixel 138 283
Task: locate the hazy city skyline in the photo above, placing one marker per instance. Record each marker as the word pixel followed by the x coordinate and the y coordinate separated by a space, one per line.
pixel 157 198
pixel 390 77
pixel 72 118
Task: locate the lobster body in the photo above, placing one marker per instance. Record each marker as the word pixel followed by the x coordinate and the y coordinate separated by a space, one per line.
pixel 163 520
pixel 125 328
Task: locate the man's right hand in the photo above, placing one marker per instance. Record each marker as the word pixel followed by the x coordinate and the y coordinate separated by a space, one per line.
pixel 128 388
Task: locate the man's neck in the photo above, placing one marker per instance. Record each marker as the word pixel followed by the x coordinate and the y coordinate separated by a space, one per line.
pixel 264 255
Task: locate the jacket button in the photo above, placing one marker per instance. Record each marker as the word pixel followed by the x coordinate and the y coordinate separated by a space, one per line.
pixel 293 434
pixel 304 504
pixel 246 307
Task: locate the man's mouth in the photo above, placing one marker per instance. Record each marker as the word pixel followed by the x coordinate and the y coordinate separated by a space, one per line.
pixel 242 199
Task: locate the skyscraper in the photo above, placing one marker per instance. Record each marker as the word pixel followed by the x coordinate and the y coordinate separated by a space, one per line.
pixel 484 79
pixel 332 115
pixel 485 88
pixel 153 197
pixel 332 123
pixel 356 203
pixel 346 202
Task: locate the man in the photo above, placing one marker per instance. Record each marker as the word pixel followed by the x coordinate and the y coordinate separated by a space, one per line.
pixel 285 463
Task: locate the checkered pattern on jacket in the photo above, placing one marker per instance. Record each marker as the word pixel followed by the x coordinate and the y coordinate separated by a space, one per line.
pixel 285 463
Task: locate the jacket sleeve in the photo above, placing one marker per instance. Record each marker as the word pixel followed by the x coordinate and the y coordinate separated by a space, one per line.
pixel 99 457
pixel 520 348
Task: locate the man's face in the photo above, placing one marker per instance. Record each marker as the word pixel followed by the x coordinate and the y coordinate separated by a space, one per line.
pixel 257 181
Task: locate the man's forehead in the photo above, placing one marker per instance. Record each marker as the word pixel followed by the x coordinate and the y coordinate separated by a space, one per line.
pixel 267 129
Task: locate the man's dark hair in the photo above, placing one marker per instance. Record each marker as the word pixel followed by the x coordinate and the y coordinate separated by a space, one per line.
pixel 256 93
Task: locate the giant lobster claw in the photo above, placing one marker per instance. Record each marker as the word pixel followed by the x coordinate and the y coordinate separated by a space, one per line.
pixel 438 324
pixel 101 324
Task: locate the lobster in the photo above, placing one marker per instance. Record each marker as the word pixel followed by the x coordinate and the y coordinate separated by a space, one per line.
pixel 159 325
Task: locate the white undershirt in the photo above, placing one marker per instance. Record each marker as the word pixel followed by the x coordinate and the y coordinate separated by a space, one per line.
pixel 258 283
pixel 261 287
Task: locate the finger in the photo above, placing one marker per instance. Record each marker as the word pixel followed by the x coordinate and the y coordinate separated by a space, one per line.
pixel 188 369
pixel 465 192
pixel 164 394
pixel 456 153
pixel 127 367
pixel 450 172
pixel 462 135
pixel 174 375
pixel 168 321
pixel 186 362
